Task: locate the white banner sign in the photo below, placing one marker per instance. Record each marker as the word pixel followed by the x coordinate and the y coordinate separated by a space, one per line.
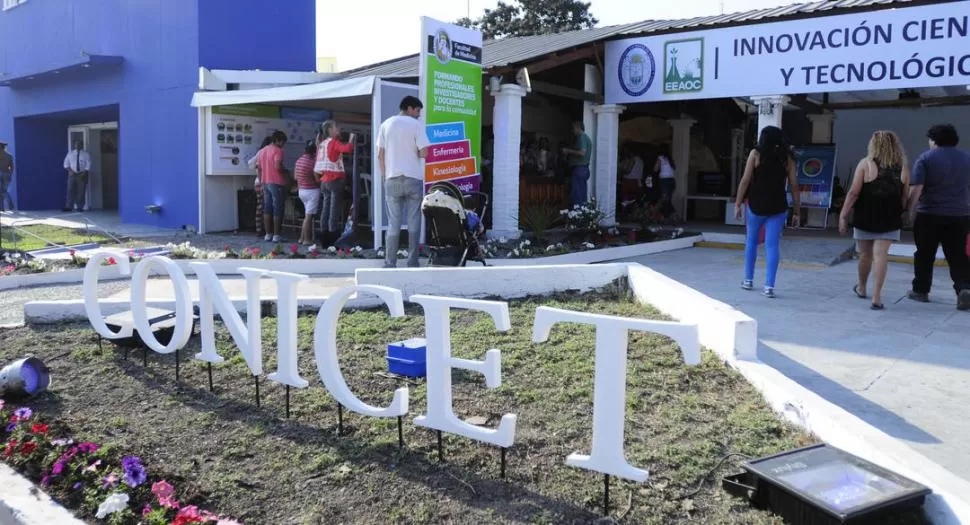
pixel 914 47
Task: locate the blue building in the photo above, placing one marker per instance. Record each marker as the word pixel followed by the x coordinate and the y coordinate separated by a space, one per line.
pixel 121 74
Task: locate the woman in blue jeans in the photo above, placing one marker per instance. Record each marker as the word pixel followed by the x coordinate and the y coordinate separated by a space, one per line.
pixel 770 165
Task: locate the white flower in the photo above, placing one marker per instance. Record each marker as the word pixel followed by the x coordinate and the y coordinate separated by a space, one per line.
pixel 332 249
pixel 563 212
pixel 116 502
pixel 402 253
pixel 515 252
pixel 527 242
pixel 380 253
pixel 589 245
pixel 550 248
pixel 502 240
pixel 357 249
pixel 313 249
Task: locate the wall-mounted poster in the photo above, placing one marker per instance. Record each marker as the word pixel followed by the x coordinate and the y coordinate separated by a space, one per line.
pixel 815 169
pixel 236 133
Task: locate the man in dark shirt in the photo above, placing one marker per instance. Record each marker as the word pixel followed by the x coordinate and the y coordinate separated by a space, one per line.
pixel 6 174
pixel 940 199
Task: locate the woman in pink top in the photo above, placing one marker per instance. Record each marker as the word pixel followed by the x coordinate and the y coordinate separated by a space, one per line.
pixel 330 168
pixel 309 188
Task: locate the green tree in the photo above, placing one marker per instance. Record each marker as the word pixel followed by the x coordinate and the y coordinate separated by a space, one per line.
pixel 532 17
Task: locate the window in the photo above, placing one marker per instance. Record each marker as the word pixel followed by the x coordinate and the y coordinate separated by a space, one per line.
pixel 10 4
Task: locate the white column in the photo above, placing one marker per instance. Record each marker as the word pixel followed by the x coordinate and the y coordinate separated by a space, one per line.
pixel 607 149
pixel 592 83
pixel 681 153
pixel 770 110
pixel 507 129
pixel 822 132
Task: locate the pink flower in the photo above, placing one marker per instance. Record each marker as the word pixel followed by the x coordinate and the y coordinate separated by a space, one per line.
pixel 162 489
pixel 256 252
pixel 112 261
pixel 169 503
pixel 187 515
pixel 93 467
pixel 294 248
pixel 146 510
pixel 1 404
pixel 227 521
pixel 72 253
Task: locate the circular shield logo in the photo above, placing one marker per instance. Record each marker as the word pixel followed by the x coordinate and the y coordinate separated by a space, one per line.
pixel 636 70
pixel 812 168
pixel 442 46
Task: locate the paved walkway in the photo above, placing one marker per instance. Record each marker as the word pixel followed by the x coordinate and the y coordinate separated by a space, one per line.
pixel 904 370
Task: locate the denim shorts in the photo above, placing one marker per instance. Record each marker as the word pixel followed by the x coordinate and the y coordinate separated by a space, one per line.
pixel 273 203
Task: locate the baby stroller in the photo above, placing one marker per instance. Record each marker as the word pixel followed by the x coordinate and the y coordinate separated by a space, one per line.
pixel 451 242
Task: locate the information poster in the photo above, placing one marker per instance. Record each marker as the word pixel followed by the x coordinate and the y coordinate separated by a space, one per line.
pixel 815 169
pixel 451 89
pixel 238 131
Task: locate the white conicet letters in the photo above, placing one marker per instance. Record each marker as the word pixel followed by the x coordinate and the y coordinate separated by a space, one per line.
pixel 437 326
pixel 287 369
pixel 609 383
pixel 325 347
pixel 91 305
pixel 139 304
pixel 247 336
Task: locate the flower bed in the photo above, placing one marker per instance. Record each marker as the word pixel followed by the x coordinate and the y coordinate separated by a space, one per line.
pixel 577 237
pixel 88 478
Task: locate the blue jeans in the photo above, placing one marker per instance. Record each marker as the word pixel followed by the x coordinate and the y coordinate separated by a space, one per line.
pixel 273 203
pixel 773 226
pixel 580 176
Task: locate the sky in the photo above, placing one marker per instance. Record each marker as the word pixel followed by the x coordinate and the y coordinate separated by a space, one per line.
pixel 363 32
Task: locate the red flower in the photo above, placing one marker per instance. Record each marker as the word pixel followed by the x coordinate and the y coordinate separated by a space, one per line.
pixel 39 429
pixel 28 448
pixel 190 514
pixel 11 446
pixel 226 248
pixel 256 251
pixel 294 248
pixel 112 261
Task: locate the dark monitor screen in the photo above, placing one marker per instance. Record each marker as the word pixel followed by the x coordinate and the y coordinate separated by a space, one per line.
pixel 713 183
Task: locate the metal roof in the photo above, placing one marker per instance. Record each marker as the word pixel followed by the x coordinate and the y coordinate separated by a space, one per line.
pixel 516 50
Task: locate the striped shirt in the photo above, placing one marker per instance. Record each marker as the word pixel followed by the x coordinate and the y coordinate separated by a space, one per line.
pixel 304 173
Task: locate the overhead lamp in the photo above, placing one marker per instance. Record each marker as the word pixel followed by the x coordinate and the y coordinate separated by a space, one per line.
pixel 24 378
pixel 823 484
pixel 522 79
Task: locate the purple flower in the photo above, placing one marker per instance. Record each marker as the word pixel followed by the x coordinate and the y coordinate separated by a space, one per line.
pixel 109 481
pixel 23 413
pixel 78 485
pixel 58 468
pixel 134 471
pixel 10 428
pixel 45 481
pixel 87 448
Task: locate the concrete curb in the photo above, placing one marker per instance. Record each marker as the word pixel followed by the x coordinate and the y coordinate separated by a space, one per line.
pixel 21 503
pixel 733 336
pixel 349 266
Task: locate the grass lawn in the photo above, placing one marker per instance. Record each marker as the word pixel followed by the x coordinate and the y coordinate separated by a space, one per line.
pixel 36 236
pixel 257 466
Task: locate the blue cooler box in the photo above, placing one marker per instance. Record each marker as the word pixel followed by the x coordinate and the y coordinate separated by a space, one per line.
pixel 408 358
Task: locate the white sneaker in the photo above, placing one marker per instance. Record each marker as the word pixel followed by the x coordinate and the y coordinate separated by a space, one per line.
pixel 268 238
pixel 277 238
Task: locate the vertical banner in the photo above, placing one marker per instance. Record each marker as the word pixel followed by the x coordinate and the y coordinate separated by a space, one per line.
pixel 815 170
pixel 450 87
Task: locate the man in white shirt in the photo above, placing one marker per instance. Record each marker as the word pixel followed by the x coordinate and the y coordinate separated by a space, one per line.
pixel 77 163
pixel 401 144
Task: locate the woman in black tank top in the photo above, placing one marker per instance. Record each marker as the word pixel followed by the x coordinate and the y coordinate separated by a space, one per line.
pixel 769 167
pixel 876 200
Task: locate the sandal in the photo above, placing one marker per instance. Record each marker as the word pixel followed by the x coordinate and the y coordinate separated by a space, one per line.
pixel 877 306
pixel 855 290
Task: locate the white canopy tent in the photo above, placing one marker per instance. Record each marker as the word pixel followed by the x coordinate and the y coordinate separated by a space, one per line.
pixel 368 95
pixel 350 92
